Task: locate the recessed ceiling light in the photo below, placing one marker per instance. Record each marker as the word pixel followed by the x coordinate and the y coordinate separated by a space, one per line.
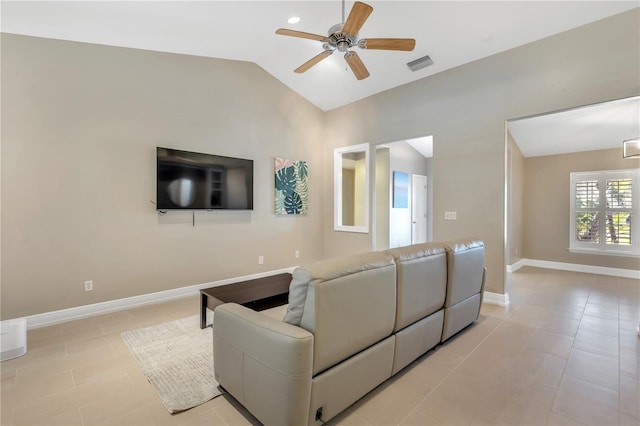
pixel 293 20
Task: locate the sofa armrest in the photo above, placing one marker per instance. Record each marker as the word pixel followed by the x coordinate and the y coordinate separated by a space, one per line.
pixel 264 363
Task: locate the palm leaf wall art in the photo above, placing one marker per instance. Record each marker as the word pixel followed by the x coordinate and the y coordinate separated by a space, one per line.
pixel 291 184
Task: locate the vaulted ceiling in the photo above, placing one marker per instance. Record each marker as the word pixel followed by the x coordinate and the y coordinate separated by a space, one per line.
pixel 452 33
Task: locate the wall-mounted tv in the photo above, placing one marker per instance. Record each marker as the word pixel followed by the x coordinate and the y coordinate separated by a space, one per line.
pixel 195 181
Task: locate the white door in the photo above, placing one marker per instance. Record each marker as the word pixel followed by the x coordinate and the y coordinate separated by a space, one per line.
pixel 418 209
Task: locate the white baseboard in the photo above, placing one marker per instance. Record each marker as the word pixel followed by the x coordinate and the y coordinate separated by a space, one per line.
pixel 574 267
pixel 79 312
pixel 517 265
pixel 495 298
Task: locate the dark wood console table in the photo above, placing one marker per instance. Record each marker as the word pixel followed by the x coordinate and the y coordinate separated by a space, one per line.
pixel 258 294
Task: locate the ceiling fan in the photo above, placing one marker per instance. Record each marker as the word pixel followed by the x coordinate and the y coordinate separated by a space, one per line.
pixel 344 36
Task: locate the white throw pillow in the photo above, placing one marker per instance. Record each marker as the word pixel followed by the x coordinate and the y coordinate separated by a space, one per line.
pixel 297 296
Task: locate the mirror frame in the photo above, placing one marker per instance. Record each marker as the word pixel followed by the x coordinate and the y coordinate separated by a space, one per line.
pixel 337 188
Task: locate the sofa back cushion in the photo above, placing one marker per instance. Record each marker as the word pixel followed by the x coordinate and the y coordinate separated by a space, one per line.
pixel 465 262
pixel 421 281
pixel 349 304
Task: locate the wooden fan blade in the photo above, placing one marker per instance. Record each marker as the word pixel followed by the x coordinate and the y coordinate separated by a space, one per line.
pixel 406 44
pixel 356 65
pixel 357 17
pixel 311 62
pixel 301 34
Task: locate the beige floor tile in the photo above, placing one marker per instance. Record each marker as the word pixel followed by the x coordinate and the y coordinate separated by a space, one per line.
pixel 539 367
pixel 35 387
pixel 561 323
pixel 587 402
pixel 603 295
pixel 426 372
pixel 489 418
pixel 629 314
pixel 502 370
pixel 102 342
pixel 597 343
pixel 529 315
pixel 496 311
pixel 458 347
pixel 448 356
pixel 87 330
pixel 9 376
pixel 521 402
pixel 389 403
pixel 68 418
pixel 6 415
pixel 128 407
pixel 347 418
pixel 233 413
pixel 630 364
pixel 30 410
pixel 457 400
pixel 593 368
pixel 556 419
pixel 602 311
pixel 38 371
pixel 36 354
pixel 109 364
pixel 415 418
pixel 552 343
pixel 628 420
pixel 599 325
pixel 630 396
pixel 629 339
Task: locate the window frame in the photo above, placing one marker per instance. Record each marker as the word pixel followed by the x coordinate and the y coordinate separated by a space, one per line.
pixel 602 248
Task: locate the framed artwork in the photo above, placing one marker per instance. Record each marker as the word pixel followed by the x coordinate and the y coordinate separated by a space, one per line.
pixel 291 184
pixel 400 190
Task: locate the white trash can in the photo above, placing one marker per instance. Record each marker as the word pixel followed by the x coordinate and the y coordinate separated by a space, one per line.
pixel 14 338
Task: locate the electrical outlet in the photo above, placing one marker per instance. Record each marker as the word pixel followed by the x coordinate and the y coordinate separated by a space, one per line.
pixel 297 254
pixel 450 215
pixel 260 260
pixel 88 286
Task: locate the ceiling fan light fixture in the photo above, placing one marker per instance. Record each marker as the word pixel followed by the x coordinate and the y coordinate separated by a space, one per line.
pixel 631 148
pixel 344 36
pixel 293 20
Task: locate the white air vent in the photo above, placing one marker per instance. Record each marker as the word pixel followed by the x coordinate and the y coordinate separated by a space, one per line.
pixel 14 338
pixel 420 63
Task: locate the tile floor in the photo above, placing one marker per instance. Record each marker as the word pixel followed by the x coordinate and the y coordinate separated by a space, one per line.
pixel 565 352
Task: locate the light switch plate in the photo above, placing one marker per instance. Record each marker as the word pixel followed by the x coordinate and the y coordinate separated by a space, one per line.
pixel 450 216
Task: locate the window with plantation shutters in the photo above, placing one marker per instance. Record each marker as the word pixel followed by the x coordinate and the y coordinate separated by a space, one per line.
pixel 604 208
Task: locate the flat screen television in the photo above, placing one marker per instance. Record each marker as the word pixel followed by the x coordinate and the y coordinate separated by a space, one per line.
pixel 195 181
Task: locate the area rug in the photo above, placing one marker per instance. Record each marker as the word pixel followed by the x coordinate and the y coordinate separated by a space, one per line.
pixel 177 358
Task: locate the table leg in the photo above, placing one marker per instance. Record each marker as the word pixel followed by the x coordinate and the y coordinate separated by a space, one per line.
pixel 203 310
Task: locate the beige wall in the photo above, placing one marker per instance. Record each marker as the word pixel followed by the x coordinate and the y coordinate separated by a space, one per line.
pixel 465 109
pixel 515 201
pixel 79 129
pixel 547 203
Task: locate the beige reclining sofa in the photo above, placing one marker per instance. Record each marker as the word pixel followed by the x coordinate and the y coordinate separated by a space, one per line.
pixel 351 324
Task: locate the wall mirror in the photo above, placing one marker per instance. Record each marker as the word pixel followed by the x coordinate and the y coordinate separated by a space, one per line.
pixel 351 188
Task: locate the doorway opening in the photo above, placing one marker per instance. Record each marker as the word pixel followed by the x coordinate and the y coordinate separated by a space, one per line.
pixel 404 171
